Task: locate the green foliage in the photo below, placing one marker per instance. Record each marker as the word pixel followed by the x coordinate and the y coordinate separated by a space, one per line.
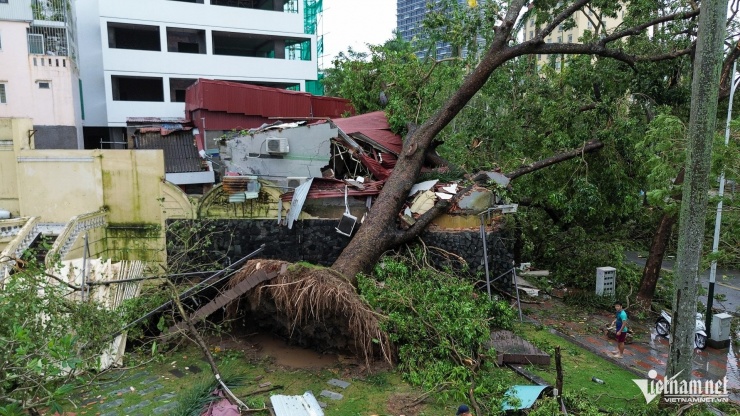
pixel 193 401
pixel 197 246
pixel 47 339
pixel 440 324
pixel 637 113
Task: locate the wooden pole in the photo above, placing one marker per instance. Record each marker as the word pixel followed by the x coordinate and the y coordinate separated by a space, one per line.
pixel 559 372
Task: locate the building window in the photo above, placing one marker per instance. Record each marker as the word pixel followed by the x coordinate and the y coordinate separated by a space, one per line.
pixel 186 40
pixel 588 25
pixel 570 38
pixel 138 37
pixel 560 39
pixel 1 38
pixel 127 88
pixel 3 98
pixel 531 34
pixel 178 87
pixel 35 44
pixel 44 85
pixel 4 1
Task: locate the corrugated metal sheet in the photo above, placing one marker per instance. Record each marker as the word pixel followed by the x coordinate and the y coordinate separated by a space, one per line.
pixel 253 100
pixel 373 126
pixel 216 120
pixel 331 106
pixel 138 120
pixel 305 405
pixel 180 153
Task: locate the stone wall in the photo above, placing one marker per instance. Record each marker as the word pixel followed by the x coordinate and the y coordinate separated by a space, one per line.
pixel 317 242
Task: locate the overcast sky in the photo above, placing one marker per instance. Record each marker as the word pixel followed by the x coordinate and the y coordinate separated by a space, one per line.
pixel 355 23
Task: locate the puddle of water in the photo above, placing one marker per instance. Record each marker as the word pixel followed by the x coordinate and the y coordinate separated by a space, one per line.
pixel 291 356
pixel 733 373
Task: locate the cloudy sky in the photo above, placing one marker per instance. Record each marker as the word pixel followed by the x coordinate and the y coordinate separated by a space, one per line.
pixel 355 23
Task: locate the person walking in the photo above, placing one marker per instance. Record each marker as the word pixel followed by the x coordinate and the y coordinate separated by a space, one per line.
pixel 620 323
pixel 463 410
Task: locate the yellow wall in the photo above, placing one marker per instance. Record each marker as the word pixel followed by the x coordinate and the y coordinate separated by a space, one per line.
pixel 96 245
pixel 9 129
pixel 57 185
pixel 131 181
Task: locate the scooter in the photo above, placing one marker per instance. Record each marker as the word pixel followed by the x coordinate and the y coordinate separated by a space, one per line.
pixel 663 328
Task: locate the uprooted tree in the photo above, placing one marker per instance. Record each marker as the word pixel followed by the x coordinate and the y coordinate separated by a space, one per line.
pixel 379 231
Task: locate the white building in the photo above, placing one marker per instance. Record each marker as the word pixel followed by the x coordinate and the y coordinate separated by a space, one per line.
pixel 137 57
pixel 38 70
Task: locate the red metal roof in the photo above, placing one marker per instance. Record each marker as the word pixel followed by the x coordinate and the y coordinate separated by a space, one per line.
pixel 374 126
pixel 253 100
pixel 333 188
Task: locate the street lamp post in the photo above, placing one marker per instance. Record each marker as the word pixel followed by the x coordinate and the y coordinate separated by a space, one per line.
pixel 718 218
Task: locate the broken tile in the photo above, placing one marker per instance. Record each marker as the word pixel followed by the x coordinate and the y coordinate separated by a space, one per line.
pixel 338 383
pixel 331 395
pixel 177 373
pixel 143 403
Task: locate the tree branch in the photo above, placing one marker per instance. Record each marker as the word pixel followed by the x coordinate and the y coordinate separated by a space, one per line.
pixel 727 76
pixel 636 30
pixel 537 44
pixel 667 56
pixel 560 18
pixel 586 148
pixel 575 49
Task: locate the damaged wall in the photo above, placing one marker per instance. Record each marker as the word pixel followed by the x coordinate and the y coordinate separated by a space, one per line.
pixel 317 242
pixel 305 152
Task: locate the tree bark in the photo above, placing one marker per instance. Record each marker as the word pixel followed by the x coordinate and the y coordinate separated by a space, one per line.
pixel 654 262
pixel 651 272
pixel 702 123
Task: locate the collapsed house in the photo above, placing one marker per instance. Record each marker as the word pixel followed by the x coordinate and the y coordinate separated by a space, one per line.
pixel 343 162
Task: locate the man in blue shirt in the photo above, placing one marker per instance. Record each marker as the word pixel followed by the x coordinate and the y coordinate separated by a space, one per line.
pixel 620 323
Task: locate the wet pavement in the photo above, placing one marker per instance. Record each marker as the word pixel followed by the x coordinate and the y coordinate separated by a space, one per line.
pixel 642 356
pixel 648 351
pixel 727 284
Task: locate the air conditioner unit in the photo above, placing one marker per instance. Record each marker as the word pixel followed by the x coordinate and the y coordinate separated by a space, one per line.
pixel 295 181
pixel 277 145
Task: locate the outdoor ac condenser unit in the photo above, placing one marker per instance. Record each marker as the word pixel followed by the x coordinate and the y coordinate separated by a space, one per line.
pixel 295 181
pixel 277 145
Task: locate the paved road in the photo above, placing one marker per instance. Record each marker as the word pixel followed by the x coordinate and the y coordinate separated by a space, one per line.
pixel 727 283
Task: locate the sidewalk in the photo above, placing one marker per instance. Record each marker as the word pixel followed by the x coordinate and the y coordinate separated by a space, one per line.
pixel 641 357
pixel 648 352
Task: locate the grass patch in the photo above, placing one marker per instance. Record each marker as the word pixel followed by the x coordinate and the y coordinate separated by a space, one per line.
pixel 579 366
pixel 379 393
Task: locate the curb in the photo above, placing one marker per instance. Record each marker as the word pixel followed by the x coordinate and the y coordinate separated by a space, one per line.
pixel 519 369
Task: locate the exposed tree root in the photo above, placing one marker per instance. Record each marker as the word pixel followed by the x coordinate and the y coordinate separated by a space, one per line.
pixel 304 293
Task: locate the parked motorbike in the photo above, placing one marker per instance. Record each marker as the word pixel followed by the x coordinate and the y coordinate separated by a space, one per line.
pixel 663 328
